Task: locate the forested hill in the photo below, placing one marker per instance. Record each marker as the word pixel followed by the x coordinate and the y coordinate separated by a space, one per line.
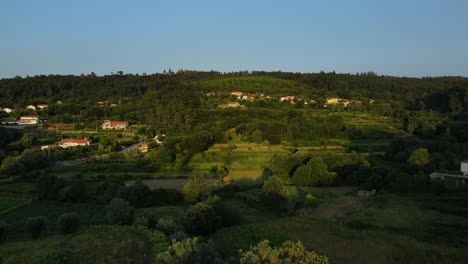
pixel 438 93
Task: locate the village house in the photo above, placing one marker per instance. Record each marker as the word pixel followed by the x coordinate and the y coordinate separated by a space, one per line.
pixel 31 107
pixel 29 120
pixel 287 98
pixel 237 94
pixel 114 125
pixel 42 106
pixel 464 167
pixel 67 143
pixel 7 110
pixel 143 148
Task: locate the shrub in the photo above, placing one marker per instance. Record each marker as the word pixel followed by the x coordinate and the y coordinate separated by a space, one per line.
pixel 289 252
pixel 37 226
pixel 3 231
pixel 75 192
pixel 119 211
pixel 141 221
pixel 69 222
pixel 178 236
pixel 167 225
pixel 229 214
pixel 190 251
pixel 202 219
pixel 311 201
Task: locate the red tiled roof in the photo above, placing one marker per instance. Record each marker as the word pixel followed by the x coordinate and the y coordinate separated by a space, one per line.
pixel 70 140
pixel 118 123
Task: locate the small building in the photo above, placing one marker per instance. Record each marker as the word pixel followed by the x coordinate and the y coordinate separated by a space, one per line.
pixel 31 107
pixel 464 167
pixel 237 94
pixel 108 125
pixel 67 143
pixel 287 98
pixel 8 110
pixel 143 148
pixel 233 104
pixel 47 147
pixel 42 106
pixel 29 120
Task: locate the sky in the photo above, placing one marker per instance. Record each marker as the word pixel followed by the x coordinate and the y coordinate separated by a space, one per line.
pixel 398 37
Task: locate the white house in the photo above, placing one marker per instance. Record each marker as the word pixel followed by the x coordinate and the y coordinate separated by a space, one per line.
pixel 114 124
pixel 42 106
pixel 31 107
pixel 464 167
pixel 67 143
pixel 8 110
pixel 237 94
pixel 29 120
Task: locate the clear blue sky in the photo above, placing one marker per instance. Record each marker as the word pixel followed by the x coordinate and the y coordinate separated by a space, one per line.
pixel 394 37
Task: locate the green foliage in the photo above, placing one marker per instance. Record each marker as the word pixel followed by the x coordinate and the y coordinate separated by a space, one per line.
pixel 119 212
pixel 48 187
pixel 315 172
pixel 273 194
pixel 75 192
pixel 27 161
pixel 4 228
pixel 167 225
pixel 419 158
pixel 228 213
pixel 289 252
pixel 192 189
pixel 311 201
pixel 157 241
pixel 202 219
pixel 142 221
pixel 190 251
pixel 160 155
pixel 37 226
pixel 138 194
pixel 69 223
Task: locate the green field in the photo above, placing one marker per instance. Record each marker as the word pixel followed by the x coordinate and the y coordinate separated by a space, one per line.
pixel 89 214
pixel 385 229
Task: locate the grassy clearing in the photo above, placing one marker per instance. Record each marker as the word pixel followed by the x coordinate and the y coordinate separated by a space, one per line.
pixel 116 245
pixel 89 214
pixel 176 212
pixel 176 184
pixel 7 204
pixel 385 229
pixel 18 190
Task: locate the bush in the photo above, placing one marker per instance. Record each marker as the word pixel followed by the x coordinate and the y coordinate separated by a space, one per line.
pixel 178 236
pixel 141 221
pixel 202 219
pixel 438 186
pixel 190 251
pixel 311 201
pixel 289 252
pixel 75 192
pixel 119 212
pixel 229 214
pixel 69 223
pixel 167 225
pixel 3 231
pixel 37 226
